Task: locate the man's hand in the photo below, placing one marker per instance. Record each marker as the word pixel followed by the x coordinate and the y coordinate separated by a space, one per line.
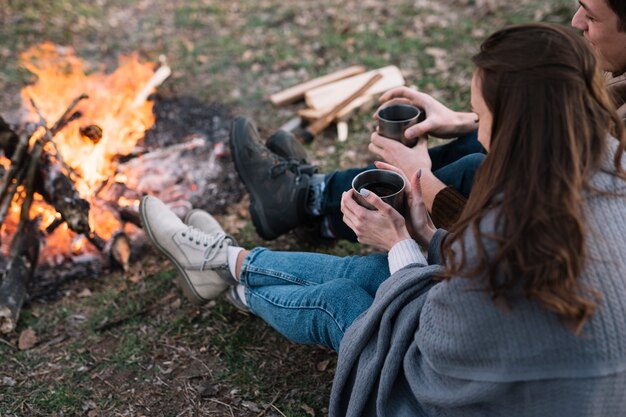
pixel 409 160
pixel 440 121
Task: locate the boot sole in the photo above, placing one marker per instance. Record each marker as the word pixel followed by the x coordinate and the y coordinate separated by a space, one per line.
pixel 256 210
pixel 182 278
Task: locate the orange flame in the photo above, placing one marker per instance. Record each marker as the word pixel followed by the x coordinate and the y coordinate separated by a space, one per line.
pixel 61 77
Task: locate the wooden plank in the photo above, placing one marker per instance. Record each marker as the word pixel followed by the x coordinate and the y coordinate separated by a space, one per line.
pixel 323 122
pixel 314 114
pixel 329 95
pixel 296 92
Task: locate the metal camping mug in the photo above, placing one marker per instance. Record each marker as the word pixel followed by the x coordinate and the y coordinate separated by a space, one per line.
pixel 387 185
pixel 394 119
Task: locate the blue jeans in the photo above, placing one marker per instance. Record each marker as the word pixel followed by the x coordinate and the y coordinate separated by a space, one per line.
pixel 454 164
pixel 311 298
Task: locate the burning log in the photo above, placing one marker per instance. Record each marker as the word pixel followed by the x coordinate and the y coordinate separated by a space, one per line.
pixel 92 133
pixel 8 138
pixel 59 191
pixel 119 249
pixel 35 169
pixel 55 186
pixel 22 256
pixel 18 272
pixel 15 148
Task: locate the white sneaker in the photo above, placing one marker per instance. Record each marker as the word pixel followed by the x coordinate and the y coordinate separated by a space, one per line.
pixel 202 220
pixel 201 258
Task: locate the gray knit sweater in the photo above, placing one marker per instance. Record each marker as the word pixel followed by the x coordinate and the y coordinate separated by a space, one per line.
pixel 444 349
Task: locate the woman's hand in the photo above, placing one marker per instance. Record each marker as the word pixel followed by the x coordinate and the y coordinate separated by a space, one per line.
pixel 422 226
pixel 418 222
pixel 383 227
pixel 440 121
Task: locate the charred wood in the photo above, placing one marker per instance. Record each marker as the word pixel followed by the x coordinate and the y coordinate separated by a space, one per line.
pixel 22 259
pixel 130 215
pixel 17 274
pixel 67 115
pixel 119 249
pixel 8 138
pixel 56 187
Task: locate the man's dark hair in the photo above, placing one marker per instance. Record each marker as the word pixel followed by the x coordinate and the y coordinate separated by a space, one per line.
pixel 619 7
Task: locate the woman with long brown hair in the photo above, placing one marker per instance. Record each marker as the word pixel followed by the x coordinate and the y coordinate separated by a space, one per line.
pixel 520 309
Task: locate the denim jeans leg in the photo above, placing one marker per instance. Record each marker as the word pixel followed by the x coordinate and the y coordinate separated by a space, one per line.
pixel 453 150
pixel 311 298
pixel 460 174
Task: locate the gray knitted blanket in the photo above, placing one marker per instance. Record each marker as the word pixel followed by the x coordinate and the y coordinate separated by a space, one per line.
pixel 446 349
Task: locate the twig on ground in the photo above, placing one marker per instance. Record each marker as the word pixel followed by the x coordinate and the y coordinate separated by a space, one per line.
pixel 277 409
pixel 226 405
pixel 267 407
pixel 142 312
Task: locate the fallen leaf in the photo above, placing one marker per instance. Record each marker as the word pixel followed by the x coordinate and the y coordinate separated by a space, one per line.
pixel 27 340
pixel 8 381
pixel 308 410
pixel 251 406
pixel 323 365
pixel 84 293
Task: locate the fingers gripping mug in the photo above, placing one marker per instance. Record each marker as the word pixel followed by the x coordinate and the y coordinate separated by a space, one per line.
pixel 387 185
pixel 394 119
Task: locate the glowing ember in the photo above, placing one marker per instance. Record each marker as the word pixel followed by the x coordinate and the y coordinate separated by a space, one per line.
pixel 112 122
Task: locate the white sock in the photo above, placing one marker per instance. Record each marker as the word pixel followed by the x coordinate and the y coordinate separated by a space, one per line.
pixel 241 292
pixel 233 254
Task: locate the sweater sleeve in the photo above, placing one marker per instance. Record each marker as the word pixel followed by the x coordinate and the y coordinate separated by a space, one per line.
pixel 434 247
pixel 404 253
pixel 447 207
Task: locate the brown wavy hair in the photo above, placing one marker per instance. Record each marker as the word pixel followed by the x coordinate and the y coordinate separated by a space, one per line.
pixel 551 118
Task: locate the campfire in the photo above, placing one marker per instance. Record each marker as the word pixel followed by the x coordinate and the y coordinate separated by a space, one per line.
pixel 76 167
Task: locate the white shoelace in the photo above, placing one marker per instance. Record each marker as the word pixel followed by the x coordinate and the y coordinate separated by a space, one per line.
pixel 212 242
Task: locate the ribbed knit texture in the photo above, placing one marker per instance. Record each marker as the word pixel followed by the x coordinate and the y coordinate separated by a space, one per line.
pixel 447 207
pixel 447 350
pixel 404 253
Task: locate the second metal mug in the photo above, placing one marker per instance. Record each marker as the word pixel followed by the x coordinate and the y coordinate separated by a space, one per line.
pixel 394 119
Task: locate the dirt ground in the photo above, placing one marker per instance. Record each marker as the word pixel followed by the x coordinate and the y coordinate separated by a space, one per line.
pixel 130 344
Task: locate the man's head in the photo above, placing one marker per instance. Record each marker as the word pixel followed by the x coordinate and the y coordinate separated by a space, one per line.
pixel 603 23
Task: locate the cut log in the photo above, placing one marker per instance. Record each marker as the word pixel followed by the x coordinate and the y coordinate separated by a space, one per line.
pixel 130 215
pixel 22 257
pixel 53 183
pixel 323 122
pixel 159 76
pixel 59 191
pixel 296 92
pixel 329 95
pixel 307 134
pixel 119 248
pixel 18 272
pixel 14 175
pixel 314 114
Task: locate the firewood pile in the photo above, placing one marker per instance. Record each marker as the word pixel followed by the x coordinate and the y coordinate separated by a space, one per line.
pixel 333 97
pixel 36 166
